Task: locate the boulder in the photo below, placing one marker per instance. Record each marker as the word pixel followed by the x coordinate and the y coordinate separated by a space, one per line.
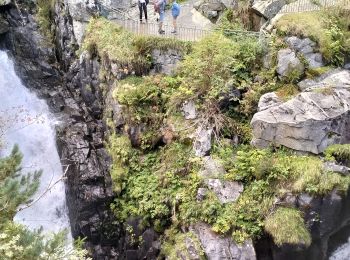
pixel 309 122
pixel 210 8
pixel 268 9
pixel 268 100
pixel 217 247
pixel 226 191
pixel 347 66
pixel 307 48
pixel 201 193
pixel 202 142
pixel 288 62
pixel 333 78
pixel 189 110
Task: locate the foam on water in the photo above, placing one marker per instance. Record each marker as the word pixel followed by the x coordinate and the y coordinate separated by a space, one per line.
pixel 26 120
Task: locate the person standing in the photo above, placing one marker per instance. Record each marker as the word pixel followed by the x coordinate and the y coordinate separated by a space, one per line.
pixel 143 8
pixel 175 12
pixel 159 7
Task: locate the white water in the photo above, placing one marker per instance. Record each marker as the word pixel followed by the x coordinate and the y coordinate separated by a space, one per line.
pixel 26 120
pixel 342 252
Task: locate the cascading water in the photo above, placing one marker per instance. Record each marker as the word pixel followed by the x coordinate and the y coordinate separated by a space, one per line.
pixel 27 121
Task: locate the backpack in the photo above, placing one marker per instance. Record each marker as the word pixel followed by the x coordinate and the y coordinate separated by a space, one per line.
pixel 175 10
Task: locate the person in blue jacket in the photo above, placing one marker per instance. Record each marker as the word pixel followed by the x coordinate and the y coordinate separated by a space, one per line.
pixel 175 12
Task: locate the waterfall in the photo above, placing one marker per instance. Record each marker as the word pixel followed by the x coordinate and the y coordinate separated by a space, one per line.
pixel 26 120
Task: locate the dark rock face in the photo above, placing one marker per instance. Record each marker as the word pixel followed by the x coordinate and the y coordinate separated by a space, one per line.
pixel 77 101
pixel 327 218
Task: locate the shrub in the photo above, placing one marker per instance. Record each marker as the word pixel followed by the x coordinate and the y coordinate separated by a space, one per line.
pixel 338 152
pixel 286 226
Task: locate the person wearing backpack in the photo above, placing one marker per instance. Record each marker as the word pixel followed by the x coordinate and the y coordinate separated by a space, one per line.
pixel 159 7
pixel 143 8
pixel 175 12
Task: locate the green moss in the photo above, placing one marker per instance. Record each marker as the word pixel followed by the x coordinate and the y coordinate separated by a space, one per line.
pixel 181 245
pixel 338 152
pixel 286 226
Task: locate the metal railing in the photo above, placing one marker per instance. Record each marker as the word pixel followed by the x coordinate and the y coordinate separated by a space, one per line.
pixel 299 6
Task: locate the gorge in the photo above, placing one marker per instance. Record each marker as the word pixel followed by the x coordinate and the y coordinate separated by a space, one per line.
pixel 149 174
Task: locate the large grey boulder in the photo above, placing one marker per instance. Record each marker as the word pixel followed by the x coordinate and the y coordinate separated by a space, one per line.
pixel 288 63
pixel 333 78
pixel 309 122
pixel 307 48
pixel 269 8
pixel 217 247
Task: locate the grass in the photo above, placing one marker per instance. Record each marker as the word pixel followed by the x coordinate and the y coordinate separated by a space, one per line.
pixel 339 152
pixel 329 28
pixel 286 225
pixel 111 41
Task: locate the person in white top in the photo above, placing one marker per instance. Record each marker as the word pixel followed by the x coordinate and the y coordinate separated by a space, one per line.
pixel 143 8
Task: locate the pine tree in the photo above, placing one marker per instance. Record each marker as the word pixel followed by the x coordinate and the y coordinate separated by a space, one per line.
pixel 16 241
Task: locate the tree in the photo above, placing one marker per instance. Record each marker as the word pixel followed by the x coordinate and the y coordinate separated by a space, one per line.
pixel 16 241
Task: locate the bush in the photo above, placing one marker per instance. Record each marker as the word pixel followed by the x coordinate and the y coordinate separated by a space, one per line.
pixel 286 226
pixel 338 152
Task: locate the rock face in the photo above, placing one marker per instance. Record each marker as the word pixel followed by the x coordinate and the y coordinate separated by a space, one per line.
pixel 326 218
pixel 288 63
pixel 189 110
pixel 217 247
pixel 226 191
pixel 76 99
pixel 306 48
pixel 165 62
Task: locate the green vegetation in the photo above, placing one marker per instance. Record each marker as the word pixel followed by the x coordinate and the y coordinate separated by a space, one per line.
pixel 157 181
pixel 338 152
pixel 45 16
pixel 17 242
pixel 131 52
pixel 286 225
pixel 329 28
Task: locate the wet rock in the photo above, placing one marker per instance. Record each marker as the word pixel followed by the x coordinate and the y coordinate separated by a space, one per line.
pixel 309 122
pixel 288 62
pixel 226 191
pixel 202 142
pixel 189 109
pixel 268 9
pixel 347 66
pixel 336 78
pixel 217 247
pixel 333 167
pixel 268 100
